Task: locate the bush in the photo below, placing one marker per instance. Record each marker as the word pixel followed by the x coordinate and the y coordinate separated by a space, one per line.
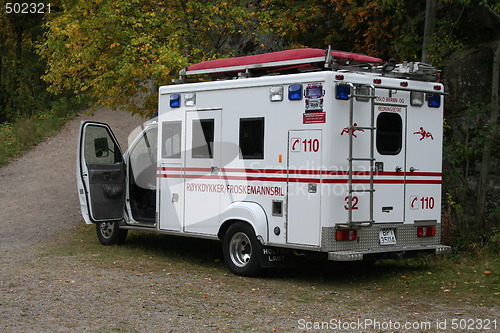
pixel 22 134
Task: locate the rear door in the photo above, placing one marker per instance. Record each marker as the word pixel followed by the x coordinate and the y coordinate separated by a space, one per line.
pixel 390 164
pixel 100 174
pixel 423 164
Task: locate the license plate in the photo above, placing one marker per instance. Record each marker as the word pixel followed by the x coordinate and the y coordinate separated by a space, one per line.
pixel 387 236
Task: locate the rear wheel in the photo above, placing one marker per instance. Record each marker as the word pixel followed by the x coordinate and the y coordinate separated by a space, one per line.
pixel 109 233
pixel 242 250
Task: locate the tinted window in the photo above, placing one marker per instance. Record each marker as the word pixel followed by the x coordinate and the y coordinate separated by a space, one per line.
pixel 252 138
pixel 389 133
pixel 171 139
pixel 99 146
pixel 203 138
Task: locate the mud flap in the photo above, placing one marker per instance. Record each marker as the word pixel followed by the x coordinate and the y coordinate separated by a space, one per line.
pixel 276 257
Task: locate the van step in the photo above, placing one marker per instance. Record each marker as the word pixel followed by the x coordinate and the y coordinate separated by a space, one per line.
pixel 356 224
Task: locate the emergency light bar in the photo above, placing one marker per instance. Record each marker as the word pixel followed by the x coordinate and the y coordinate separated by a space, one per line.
pixel 276 93
pixel 342 91
pixel 362 93
pixel 416 98
pixel 190 99
pixel 433 100
pixel 175 100
pixel 295 92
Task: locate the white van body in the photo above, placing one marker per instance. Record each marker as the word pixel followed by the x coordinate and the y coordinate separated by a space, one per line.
pixel 343 162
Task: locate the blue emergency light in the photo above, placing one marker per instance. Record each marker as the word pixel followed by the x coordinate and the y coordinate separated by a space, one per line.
pixel 434 100
pixel 342 91
pixel 175 100
pixel 295 92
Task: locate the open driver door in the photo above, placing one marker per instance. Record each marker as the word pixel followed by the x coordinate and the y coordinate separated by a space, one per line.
pixel 100 174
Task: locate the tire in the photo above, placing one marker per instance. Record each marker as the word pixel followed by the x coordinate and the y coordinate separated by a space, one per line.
pixel 242 250
pixel 109 233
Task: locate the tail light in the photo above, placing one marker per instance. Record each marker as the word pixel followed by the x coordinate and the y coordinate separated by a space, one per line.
pixel 346 234
pixel 426 231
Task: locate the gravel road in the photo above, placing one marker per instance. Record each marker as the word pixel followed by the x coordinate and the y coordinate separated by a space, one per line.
pixel 42 290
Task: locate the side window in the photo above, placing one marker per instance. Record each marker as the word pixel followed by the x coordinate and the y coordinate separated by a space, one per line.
pixel 252 138
pixel 146 145
pixel 100 147
pixel 389 133
pixel 143 157
pixel 171 139
pixel 203 138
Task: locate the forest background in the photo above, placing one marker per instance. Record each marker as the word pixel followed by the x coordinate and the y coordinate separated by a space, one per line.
pixel 75 54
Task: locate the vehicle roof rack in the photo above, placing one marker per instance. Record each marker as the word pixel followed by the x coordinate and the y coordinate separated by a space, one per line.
pixel 299 60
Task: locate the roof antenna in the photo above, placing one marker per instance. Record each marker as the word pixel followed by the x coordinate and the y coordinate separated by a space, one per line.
pixel 328 58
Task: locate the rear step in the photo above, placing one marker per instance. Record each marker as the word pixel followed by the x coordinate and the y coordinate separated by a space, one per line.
pixel 358 255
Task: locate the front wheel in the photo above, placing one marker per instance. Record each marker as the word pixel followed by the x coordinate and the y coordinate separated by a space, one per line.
pixel 109 233
pixel 241 250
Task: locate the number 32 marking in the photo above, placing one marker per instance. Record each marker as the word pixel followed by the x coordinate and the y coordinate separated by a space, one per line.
pixel 355 201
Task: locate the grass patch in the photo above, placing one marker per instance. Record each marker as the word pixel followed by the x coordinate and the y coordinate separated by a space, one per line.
pixel 472 279
pixel 20 135
pixel 147 251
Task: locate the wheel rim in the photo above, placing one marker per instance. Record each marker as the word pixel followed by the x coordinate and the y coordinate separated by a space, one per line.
pixel 240 249
pixel 106 229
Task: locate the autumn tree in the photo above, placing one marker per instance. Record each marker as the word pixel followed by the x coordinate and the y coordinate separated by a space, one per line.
pixel 112 50
pixel 109 49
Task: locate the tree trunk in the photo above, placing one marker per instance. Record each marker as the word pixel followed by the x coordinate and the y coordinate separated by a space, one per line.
pixel 493 121
pixel 430 24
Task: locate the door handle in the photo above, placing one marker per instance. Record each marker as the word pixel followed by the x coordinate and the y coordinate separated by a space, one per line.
pixel 412 169
pixel 214 170
pixel 399 169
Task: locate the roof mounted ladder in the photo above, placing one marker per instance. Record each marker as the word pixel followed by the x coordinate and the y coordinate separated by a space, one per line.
pixel 371 159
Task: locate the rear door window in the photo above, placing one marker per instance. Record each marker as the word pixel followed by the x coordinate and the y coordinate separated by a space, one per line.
pixel 389 133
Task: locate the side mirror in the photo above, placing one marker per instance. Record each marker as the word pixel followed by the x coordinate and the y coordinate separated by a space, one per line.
pixel 101 147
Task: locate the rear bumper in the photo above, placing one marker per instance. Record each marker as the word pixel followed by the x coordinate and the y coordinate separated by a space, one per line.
pixel 356 255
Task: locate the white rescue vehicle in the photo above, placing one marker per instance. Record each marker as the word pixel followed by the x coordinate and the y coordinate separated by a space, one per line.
pixel 306 150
